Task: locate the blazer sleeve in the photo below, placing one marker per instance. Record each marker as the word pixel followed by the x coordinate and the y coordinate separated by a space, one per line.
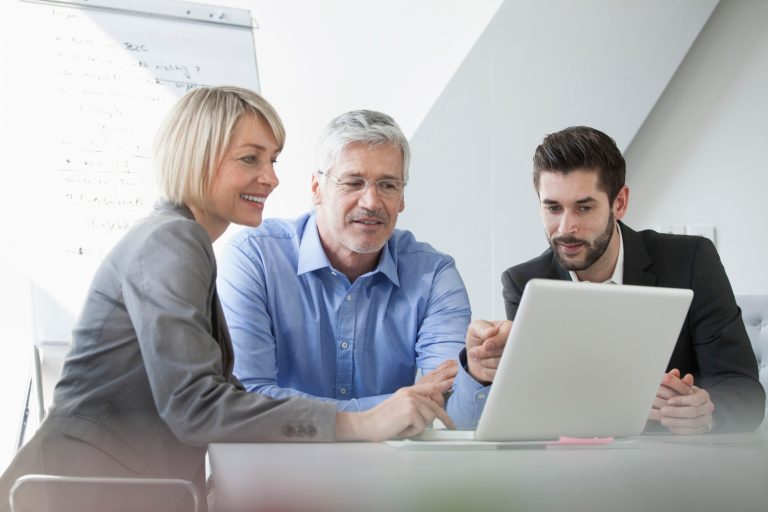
pixel 168 292
pixel 721 345
pixel 512 291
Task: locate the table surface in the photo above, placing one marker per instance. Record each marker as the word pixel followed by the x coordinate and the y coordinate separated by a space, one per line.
pixel 649 473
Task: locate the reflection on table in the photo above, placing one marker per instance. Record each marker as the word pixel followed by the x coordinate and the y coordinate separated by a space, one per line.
pixel 649 473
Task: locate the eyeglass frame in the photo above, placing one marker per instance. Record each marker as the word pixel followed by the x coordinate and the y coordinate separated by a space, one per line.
pixel 338 182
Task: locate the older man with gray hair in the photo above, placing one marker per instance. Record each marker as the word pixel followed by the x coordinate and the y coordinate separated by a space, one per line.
pixel 337 304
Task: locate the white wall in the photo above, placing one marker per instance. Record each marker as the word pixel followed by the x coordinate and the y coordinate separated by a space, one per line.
pixel 316 59
pixel 539 67
pixel 702 155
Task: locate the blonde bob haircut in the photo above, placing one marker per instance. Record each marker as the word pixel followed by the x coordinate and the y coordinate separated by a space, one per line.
pixel 194 138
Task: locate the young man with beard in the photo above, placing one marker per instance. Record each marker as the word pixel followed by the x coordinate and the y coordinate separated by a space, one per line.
pixel 712 380
pixel 338 305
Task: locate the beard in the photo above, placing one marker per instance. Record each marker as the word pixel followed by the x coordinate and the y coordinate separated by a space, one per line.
pixel 372 244
pixel 595 249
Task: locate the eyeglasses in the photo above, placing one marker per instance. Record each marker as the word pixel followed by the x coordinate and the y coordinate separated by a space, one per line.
pixel 352 185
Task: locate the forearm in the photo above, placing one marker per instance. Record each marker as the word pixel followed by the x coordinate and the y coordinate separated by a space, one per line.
pixel 739 404
pixel 351 405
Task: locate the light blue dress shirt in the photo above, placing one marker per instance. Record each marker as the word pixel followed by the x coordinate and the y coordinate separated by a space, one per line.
pixel 300 328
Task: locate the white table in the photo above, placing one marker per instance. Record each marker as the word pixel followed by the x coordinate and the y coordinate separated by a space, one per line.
pixel 650 473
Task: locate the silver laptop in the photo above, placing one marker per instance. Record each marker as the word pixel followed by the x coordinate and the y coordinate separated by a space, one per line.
pixel 583 360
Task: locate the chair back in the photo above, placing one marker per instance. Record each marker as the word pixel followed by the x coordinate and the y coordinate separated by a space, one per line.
pixel 754 311
pixel 37 493
pixel 49 361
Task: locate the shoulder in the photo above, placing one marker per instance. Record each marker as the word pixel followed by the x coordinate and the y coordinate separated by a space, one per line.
pixel 405 248
pixel 522 273
pixel 665 245
pixel 271 232
pixel 167 232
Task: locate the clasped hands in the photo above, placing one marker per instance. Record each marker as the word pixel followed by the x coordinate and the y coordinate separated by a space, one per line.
pixel 682 407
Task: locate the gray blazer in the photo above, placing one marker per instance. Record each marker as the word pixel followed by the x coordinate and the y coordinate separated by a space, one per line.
pixel 148 383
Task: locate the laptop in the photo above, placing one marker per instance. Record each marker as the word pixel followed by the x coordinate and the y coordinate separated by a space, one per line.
pixel 582 361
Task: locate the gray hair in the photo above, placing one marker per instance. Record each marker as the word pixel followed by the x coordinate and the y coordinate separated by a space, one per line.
pixel 364 126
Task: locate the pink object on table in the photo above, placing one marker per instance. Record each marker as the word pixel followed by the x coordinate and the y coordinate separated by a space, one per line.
pixel 582 440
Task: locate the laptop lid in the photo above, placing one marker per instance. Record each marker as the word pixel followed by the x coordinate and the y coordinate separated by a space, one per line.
pixel 582 360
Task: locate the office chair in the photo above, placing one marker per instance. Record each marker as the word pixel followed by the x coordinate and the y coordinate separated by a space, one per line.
pixel 75 493
pixel 69 495
pixel 48 361
pixel 754 311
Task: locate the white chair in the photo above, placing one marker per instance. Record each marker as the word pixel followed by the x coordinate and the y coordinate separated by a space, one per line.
pixel 48 361
pixel 27 492
pixel 754 310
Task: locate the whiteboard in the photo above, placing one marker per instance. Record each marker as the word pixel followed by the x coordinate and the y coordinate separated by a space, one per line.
pixel 101 75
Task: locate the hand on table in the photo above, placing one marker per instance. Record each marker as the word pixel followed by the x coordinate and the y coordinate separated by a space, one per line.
pixel 406 413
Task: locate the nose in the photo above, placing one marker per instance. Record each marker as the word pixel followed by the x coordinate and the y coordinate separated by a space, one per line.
pixel 269 177
pixel 568 224
pixel 370 196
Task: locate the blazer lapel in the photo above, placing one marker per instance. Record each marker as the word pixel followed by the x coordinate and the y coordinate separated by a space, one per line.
pixel 636 259
pixel 556 271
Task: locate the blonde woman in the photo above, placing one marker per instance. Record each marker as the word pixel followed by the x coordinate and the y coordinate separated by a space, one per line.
pixel 148 383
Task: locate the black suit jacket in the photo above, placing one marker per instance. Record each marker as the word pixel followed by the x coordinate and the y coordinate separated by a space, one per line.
pixel 713 343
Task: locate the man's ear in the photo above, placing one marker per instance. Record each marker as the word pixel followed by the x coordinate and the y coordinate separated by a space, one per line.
pixel 315 187
pixel 621 203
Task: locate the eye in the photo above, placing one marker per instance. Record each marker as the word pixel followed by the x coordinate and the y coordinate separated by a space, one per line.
pixel 553 208
pixel 353 184
pixel 584 209
pixel 389 185
pixel 249 159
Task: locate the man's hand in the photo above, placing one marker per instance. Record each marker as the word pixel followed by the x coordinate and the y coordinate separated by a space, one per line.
pixel 406 413
pixel 682 407
pixel 485 344
pixel 440 376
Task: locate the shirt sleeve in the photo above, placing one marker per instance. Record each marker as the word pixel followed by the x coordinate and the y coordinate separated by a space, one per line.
pixel 441 337
pixel 168 294
pixel 243 292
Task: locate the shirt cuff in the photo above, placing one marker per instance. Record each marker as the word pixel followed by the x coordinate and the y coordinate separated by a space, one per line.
pixel 467 398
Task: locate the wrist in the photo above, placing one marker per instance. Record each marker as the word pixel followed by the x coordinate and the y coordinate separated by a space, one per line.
pixel 348 426
pixel 475 371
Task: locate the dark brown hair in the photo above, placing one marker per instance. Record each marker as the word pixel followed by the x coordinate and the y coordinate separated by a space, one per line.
pixel 581 148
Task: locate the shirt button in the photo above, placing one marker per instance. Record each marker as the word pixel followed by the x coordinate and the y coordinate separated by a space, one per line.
pixel 349 297
pixel 343 391
pixel 334 273
pixel 288 430
pixel 481 396
pixel 344 345
pixel 300 431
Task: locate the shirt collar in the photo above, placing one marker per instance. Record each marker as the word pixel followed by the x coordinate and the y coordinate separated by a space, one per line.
pixel 312 255
pixel 618 271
